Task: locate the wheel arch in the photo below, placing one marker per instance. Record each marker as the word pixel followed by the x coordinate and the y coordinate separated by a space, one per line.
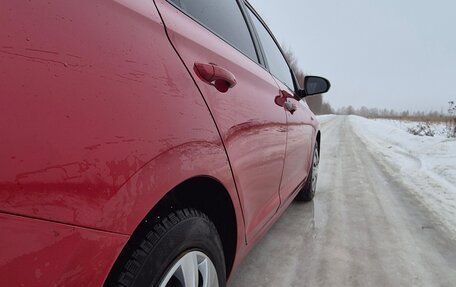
pixel 203 193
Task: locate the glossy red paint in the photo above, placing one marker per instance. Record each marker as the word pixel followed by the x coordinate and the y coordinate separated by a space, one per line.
pixel 253 128
pixel 96 127
pixel 41 253
pixel 78 137
pixel 101 115
pixel 300 140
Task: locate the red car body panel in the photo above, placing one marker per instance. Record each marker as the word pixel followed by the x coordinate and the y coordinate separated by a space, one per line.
pixel 301 134
pixel 86 120
pixel 252 126
pixel 41 253
pixel 95 128
pixel 102 115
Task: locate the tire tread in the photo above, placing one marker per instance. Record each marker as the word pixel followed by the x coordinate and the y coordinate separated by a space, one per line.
pixel 133 265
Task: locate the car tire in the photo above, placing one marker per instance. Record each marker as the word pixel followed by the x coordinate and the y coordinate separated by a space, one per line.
pixel 307 192
pixel 183 249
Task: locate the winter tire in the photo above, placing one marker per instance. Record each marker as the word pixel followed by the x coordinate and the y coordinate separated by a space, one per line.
pixel 182 250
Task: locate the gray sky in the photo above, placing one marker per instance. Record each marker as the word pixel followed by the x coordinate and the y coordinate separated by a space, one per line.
pixel 395 54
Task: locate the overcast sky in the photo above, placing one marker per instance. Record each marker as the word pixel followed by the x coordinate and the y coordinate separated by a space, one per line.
pixel 395 54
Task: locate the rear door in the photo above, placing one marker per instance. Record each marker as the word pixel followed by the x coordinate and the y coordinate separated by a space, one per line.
pixel 213 36
pixel 299 116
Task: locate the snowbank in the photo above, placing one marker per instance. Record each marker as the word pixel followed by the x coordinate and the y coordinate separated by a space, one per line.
pixel 439 129
pixel 426 165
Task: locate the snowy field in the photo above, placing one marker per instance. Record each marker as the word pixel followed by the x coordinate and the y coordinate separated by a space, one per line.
pixel 426 165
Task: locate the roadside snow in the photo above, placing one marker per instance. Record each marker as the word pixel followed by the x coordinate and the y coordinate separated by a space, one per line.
pixel 439 129
pixel 426 165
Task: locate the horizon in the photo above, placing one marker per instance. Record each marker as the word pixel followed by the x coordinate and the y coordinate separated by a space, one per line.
pixel 393 55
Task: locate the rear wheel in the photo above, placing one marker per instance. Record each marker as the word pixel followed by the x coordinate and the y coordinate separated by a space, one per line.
pixel 182 250
pixel 307 193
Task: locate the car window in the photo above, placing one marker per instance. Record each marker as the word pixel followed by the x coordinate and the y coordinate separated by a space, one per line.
pixel 276 61
pixel 225 19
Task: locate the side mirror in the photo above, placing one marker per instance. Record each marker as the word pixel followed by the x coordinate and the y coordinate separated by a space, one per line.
pixel 314 86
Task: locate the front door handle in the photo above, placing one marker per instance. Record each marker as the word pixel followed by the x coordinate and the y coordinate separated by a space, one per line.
pixel 216 76
pixel 291 107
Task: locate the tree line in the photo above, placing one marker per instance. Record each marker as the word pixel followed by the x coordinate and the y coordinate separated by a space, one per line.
pixel 321 107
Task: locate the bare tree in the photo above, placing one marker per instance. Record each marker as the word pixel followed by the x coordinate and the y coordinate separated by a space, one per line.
pixel 315 103
pixel 326 109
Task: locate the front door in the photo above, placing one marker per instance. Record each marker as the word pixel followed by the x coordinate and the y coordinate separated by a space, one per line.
pixel 300 131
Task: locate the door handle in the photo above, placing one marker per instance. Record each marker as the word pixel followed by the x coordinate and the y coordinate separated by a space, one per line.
pixel 216 76
pixel 289 106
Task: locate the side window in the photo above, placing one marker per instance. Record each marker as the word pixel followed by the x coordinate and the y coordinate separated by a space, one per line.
pixel 224 18
pixel 277 63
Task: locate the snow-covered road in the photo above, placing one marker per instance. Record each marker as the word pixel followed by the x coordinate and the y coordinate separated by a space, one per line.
pixel 383 215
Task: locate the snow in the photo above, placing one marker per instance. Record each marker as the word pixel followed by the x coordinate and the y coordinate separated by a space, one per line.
pixel 425 165
pixel 325 118
pixel 440 129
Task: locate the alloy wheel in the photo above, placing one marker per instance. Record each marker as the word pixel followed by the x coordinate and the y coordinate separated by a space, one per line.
pixel 194 269
pixel 315 164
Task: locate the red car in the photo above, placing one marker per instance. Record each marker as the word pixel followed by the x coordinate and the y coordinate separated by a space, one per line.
pixel 144 143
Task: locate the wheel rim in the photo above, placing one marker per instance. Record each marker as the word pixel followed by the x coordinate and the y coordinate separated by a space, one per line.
pixel 194 269
pixel 315 163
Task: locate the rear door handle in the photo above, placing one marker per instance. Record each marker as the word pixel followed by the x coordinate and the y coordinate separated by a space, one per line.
pixel 220 78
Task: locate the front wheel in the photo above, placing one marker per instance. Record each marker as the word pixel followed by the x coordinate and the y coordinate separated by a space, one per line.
pixel 182 250
pixel 307 193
